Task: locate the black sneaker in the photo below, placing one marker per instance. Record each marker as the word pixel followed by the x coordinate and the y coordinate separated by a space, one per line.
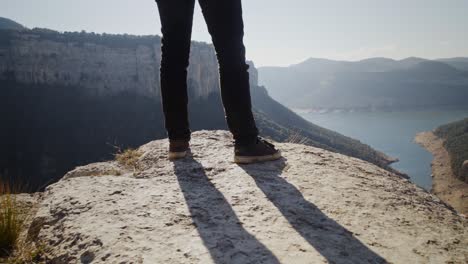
pixel 258 151
pixel 178 149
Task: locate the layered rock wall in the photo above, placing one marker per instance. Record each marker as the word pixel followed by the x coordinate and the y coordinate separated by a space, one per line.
pixel 100 65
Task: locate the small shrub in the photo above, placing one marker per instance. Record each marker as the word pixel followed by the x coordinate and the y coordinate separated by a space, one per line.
pixel 15 217
pixel 129 158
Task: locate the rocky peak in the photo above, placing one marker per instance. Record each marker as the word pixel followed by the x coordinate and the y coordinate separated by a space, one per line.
pixel 312 206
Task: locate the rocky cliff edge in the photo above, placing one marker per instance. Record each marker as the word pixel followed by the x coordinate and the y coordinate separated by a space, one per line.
pixel 313 206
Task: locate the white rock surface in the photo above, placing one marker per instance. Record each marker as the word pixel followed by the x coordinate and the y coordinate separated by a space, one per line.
pixel 313 206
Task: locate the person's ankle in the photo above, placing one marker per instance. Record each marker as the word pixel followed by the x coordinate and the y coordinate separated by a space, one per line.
pixel 178 140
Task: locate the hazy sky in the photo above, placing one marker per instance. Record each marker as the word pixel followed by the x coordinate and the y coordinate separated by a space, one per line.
pixel 280 32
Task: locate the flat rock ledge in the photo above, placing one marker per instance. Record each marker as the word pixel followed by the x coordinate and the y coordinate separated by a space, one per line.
pixel 313 206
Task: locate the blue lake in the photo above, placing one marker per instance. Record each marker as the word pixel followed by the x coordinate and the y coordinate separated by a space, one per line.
pixel 392 133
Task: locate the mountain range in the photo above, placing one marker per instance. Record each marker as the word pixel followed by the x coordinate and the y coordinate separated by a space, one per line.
pixel 370 84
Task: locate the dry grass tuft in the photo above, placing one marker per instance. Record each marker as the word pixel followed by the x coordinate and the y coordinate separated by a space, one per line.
pixel 296 138
pixel 129 158
pixel 11 219
pixel 16 214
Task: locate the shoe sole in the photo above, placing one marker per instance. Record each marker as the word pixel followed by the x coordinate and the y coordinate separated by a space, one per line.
pixel 254 159
pixel 177 155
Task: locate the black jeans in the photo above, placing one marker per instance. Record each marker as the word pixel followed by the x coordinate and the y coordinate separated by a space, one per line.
pixel 224 21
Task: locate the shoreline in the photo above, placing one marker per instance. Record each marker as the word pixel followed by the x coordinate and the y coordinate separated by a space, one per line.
pixel 444 183
pixel 368 110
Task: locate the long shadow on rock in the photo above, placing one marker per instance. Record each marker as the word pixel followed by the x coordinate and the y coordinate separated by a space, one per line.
pixel 330 239
pixel 216 222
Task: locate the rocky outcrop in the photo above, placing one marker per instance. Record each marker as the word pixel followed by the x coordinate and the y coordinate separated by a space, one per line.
pixel 313 206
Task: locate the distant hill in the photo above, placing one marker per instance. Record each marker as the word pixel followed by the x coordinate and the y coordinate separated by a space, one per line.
pixel 433 67
pixel 371 84
pixel 456 143
pixel 409 62
pixel 6 23
pixel 459 63
pixel 366 65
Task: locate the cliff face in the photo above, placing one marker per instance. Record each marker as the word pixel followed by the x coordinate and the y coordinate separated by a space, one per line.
pixel 45 57
pixel 313 206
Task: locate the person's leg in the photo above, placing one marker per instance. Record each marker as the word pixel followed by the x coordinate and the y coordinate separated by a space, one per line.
pixel 176 26
pixel 225 24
